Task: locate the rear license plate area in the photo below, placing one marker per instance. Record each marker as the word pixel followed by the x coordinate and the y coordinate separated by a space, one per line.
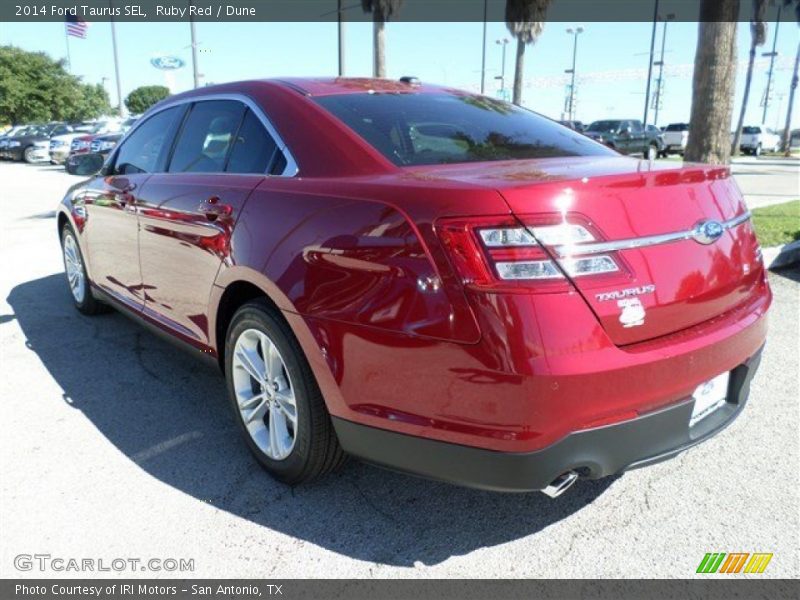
pixel 709 397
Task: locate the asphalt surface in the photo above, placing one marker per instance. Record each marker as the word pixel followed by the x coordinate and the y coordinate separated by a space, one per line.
pixel 114 445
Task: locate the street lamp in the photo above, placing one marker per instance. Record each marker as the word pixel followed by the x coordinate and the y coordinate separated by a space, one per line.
pixel 571 106
pixel 502 42
pixel 660 65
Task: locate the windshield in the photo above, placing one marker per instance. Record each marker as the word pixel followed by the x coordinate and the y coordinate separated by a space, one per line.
pixel 605 126
pixel 440 128
pixel 32 130
pixel 678 127
pixel 751 130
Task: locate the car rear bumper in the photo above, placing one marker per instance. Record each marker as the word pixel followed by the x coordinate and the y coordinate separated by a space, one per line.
pixel 40 154
pixel 594 453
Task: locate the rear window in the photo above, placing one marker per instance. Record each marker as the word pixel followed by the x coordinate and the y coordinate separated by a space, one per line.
pixel 605 126
pixel 677 127
pixel 440 128
pixel 751 129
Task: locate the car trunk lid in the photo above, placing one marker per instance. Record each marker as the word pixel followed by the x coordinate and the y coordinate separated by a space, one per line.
pixel 681 237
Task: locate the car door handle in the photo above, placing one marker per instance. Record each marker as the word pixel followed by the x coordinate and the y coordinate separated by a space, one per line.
pixel 213 208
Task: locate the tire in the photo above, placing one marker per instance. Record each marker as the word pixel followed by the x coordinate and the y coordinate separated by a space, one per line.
pixel 757 151
pixel 652 152
pixel 75 270
pixel 27 155
pixel 264 398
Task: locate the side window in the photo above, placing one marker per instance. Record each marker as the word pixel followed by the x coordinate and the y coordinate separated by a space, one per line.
pixel 254 148
pixel 636 126
pixel 142 150
pixel 206 137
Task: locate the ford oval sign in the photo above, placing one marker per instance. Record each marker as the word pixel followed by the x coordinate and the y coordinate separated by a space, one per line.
pixel 167 63
pixel 708 232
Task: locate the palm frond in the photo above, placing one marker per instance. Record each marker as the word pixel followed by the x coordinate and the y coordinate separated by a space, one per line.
pixel 525 18
pixel 383 10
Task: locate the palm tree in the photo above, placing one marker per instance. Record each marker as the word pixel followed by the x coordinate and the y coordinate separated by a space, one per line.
pixel 525 20
pixel 382 11
pixel 713 83
pixel 787 131
pixel 758 35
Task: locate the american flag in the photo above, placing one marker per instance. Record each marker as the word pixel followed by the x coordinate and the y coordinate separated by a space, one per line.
pixel 76 27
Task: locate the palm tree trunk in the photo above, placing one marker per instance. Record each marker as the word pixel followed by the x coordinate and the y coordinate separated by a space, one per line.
pixel 713 83
pixel 379 46
pixel 519 69
pixel 737 138
pixel 787 131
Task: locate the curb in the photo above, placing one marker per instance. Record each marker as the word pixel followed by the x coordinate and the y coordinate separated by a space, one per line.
pixel 770 254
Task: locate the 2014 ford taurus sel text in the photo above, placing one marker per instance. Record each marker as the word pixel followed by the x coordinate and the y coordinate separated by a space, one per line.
pixel 434 281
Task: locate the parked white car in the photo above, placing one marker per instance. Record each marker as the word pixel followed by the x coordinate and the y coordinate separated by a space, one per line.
pixel 676 135
pixel 758 138
pixel 60 144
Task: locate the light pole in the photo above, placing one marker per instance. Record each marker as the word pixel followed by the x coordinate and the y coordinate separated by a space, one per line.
pixel 193 35
pixel 503 42
pixel 650 63
pixel 574 33
pixel 340 36
pixel 483 47
pixel 772 56
pixel 660 64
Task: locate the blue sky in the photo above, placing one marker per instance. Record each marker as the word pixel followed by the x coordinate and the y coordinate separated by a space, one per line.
pixel 611 66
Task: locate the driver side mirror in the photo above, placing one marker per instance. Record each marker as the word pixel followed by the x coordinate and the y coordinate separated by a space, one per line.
pixel 85 164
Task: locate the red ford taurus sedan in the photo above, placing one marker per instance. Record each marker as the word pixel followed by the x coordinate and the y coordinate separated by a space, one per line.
pixel 434 281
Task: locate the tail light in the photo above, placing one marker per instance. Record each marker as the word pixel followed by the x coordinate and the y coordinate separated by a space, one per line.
pixel 506 254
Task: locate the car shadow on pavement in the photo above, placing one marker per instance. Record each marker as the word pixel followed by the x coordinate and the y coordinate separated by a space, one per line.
pixel 169 414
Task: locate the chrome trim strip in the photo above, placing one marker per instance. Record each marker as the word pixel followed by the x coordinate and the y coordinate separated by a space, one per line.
pixel 652 240
pixel 291 168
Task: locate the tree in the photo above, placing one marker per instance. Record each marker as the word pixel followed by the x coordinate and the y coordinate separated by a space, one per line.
pixel 713 83
pixel 786 141
pixel 758 35
pixel 33 87
pixel 91 102
pixel 525 20
pixel 787 131
pixel 142 98
pixel 382 11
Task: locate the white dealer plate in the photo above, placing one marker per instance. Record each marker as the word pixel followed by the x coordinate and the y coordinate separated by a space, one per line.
pixel 709 396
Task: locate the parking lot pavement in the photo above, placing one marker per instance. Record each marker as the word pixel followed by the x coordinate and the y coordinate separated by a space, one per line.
pixel 767 180
pixel 114 445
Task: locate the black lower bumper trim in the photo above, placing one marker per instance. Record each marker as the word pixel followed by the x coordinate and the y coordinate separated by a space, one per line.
pixel 595 453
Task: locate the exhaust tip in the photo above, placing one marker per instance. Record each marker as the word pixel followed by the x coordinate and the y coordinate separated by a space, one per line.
pixel 561 484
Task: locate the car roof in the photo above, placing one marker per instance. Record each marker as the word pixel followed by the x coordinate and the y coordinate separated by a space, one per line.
pixel 328 86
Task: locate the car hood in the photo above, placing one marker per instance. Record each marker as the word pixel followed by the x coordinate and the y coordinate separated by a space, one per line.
pixel 30 138
pixel 67 137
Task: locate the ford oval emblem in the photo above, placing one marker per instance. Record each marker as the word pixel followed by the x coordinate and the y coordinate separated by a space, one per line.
pixel 167 63
pixel 707 232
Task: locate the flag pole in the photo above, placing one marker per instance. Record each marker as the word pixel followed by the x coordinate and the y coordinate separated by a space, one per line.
pixel 66 39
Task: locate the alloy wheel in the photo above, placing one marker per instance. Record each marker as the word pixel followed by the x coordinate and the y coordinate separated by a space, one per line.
pixel 264 394
pixel 73 264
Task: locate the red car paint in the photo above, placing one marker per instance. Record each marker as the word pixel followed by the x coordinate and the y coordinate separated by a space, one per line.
pixel 344 249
